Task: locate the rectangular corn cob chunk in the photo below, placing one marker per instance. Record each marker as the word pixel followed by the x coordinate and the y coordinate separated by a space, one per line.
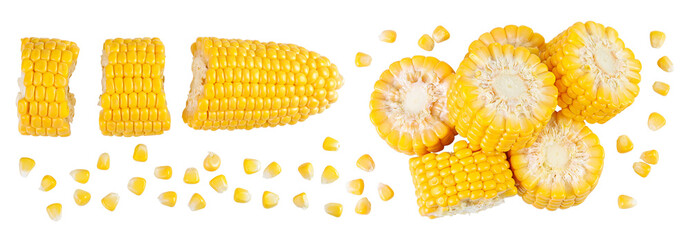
pixel 133 99
pixel 45 106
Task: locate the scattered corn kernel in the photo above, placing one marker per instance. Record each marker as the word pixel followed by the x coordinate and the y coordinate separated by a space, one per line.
pixel 141 153
pixel 110 201
pixel 25 166
pixel 661 88
pixel 329 175
pixel 651 156
pixel 642 168
pixel 47 183
pixel 356 186
pixel 388 36
pixel 80 175
pixel 54 211
pixel 306 170
pixel 665 64
pixel 212 162
pixel 81 197
pixel 251 166
pixel 103 161
pixel 301 201
pixel 136 185
pixel 330 144
pixel 385 192
pixel 440 34
pixel 334 209
pixel 242 195
pixel 269 199
pixel 362 59
pixel 366 163
pixel 426 43
pixel 163 172
pixel 168 198
pixel 197 202
pixel 656 121
pixel 625 202
pixel 624 144
pixel 219 183
pixel 272 170
pixel 657 38
pixel 191 176
pixel 363 206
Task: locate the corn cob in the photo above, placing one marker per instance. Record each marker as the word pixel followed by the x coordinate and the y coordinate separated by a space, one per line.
pixel 518 36
pixel 133 99
pixel 596 75
pixel 45 106
pixel 241 84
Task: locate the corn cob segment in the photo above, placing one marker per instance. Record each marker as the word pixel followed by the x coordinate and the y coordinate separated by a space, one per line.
pixel 242 84
pixel 502 97
pixel 596 75
pixel 518 36
pixel 562 167
pixel 45 106
pixel 408 105
pixel 133 99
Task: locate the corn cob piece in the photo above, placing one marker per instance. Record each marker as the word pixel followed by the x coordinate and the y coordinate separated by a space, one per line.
pixel 461 182
pixel 502 97
pixel 45 106
pixel 596 75
pixel 562 167
pixel 241 84
pixel 408 105
pixel 518 36
pixel 133 99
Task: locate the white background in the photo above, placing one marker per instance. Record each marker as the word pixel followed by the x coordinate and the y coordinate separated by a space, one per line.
pixel 338 31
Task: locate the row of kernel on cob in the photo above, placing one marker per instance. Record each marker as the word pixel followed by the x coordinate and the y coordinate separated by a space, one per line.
pixel 237 84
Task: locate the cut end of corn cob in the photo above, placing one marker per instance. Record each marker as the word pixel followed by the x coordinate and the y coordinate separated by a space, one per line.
pixel 656 121
pixel 269 199
pixel 168 198
pixel 385 192
pixel 25 166
pixel 366 163
pixel 362 59
pixel 624 144
pixel 665 64
pixel 518 36
pixel 196 202
pixel 330 144
pixel 334 209
pixel 408 105
pixel 272 170
pixel 301 201
pixel 80 175
pixel 625 202
pixel 440 34
pixel 651 156
pixel 163 172
pixel 356 186
pixel 137 185
pixel 191 176
pixel 242 195
pixel 388 36
pixel 103 161
pixel 561 168
pixel 219 183
pixel 110 201
pixel 81 197
pixel 45 106
pixel 47 183
pixel 241 84
pixel 426 42
pixel 329 175
pixel 212 162
pixel 661 88
pixel 642 169
pixel 141 153
pixel 306 170
pixel 657 38
pixel 251 166
pixel 54 211
pixel 363 206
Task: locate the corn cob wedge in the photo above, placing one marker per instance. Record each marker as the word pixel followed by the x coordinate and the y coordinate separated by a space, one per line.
pixel 518 36
pixel 596 74
pixel 45 106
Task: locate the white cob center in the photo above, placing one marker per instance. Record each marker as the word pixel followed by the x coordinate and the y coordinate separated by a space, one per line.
pixel 557 155
pixel 509 85
pixel 416 98
pixel 605 60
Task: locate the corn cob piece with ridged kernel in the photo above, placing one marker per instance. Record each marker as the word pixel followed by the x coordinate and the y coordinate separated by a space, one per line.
pixel 518 36
pixel 243 84
pixel 45 106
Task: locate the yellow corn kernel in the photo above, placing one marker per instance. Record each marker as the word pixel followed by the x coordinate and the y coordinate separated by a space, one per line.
pixel 47 183
pixel 212 162
pixel 426 43
pixel 665 64
pixel 168 198
pixel 251 166
pixel 334 209
pixel 657 38
pixel 440 34
pixel 196 202
pixel 661 88
pixel 366 163
pixel 385 192
pixel 242 195
pixel 103 161
pixel 301 201
pixel 329 175
pixel 306 170
pixel 219 183
pixel 624 144
pixel 642 169
pixel 330 144
pixel 651 156
pixel 163 172
pixel 141 153
pixel 81 197
pixel 272 170
pixel 363 206
pixel 362 59
pixel 625 202
pixel 656 121
pixel 191 176
pixel 136 185
pixel 269 199
pixel 388 36
pixel 54 211
pixel 80 175
pixel 356 186
pixel 25 166
pixel 110 201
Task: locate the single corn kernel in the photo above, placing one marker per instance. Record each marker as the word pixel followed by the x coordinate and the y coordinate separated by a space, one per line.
pixel 47 183
pixel 306 170
pixel 251 166
pixel 656 121
pixel 269 199
pixel 110 201
pixel 363 206
pixel 665 64
pixel 330 144
pixel 81 197
pixel 54 211
pixel 385 192
pixel 197 202
pixel 625 202
pixel 141 153
pixel 334 209
pixel 80 175
pixel 651 156
pixel 163 172
pixel 362 59
pixel 168 198
pixel 440 34
pixel 242 195
pixel 329 175
pixel 191 176
pixel 426 43
pixel 219 183
pixel 661 88
pixel 624 144
pixel 301 201
pixel 136 185
pixel 366 163
pixel 642 169
pixel 657 38
pixel 272 170
pixel 103 161
pixel 388 36
pixel 212 162
pixel 25 166
pixel 356 186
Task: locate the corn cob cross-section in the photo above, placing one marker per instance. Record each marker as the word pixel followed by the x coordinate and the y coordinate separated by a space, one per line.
pixel 133 99
pixel 44 104
pixel 243 84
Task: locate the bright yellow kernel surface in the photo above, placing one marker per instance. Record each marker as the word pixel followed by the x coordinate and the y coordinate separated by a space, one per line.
pixel 625 202
pixel 363 206
pixel 242 195
pixel 657 38
pixel 47 183
pixel 330 144
pixel 136 185
pixel 642 169
pixel 440 34
pixel 212 162
pixel 334 209
pixel 385 192
pixel 191 176
pixel 651 156
pixel 301 201
pixel 54 211
pixel 141 153
pixel 272 170
pixel 665 64
pixel 80 175
pixel 25 166
pixel 624 144
pixel 661 88
pixel 110 201
pixel 366 163
pixel 329 175
pixel 656 121
pixel 388 36
pixel 103 161
pixel 196 202
pixel 306 170
pixel 251 166
pixel 81 197
pixel 356 186
pixel 269 199
pixel 362 59
pixel 219 183
pixel 168 198
pixel 163 172
pixel 426 43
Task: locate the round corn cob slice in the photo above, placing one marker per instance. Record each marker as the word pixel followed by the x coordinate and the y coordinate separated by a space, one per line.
pixel 596 75
pixel 518 36
pixel 461 182
pixel 562 166
pixel 502 97
pixel 408 105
